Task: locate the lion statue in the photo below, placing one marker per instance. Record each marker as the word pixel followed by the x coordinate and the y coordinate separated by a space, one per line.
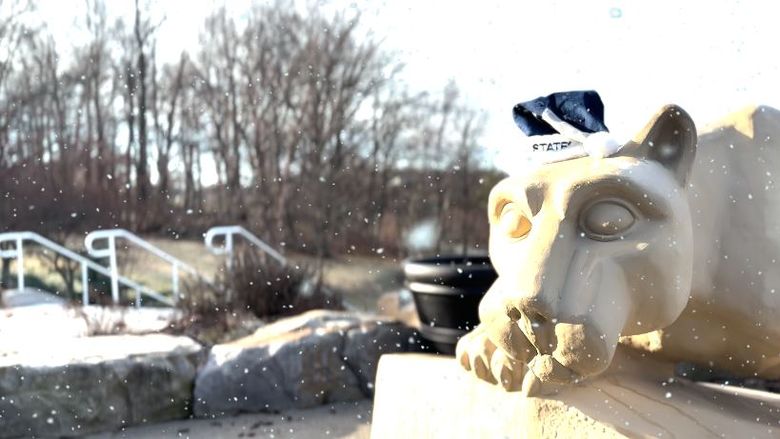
pixel 659 247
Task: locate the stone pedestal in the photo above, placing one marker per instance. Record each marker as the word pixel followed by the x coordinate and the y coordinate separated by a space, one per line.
pixel 426 396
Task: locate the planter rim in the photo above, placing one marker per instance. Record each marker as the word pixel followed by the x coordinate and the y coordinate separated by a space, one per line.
pixel 450 260
pixel 441 334
pixel 447 290
pixel 450 270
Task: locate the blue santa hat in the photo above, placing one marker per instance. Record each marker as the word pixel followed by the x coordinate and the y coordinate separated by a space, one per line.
pixel 580 109
pixel 565 125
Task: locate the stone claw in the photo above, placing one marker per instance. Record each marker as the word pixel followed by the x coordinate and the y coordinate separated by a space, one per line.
pixel 478 355
pixel 507 371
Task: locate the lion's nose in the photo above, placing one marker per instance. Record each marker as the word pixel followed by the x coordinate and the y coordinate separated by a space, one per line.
pixel 501 303
pixel 538 307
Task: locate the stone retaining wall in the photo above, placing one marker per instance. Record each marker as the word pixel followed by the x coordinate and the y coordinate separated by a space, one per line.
pixel 84 385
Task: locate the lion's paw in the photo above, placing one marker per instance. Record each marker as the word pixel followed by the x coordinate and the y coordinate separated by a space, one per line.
pixel 480 356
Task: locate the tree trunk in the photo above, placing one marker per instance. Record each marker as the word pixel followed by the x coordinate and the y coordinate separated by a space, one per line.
pixel 141 170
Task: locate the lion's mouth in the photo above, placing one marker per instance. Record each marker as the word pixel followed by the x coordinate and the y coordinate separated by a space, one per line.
pixel 543 363
pixel 565 353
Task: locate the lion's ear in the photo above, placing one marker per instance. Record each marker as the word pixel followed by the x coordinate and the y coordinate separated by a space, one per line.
pixel 669 139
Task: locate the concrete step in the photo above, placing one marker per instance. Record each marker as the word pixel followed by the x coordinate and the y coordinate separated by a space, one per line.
pixel 28 297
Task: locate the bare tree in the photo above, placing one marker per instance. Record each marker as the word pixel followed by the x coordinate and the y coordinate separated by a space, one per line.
pixel 299 116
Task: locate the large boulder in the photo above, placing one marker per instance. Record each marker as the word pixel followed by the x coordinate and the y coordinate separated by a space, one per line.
pixel 74 386
pixel 311 359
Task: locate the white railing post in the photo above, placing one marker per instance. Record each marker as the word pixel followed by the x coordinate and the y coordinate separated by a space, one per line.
pixel 19 264
pixel 84 284
pixel 229 251
pixel 175 281
pixel 227 248
pixel 110 235
pixel 229 267
pixel 114 269
pixel 86 264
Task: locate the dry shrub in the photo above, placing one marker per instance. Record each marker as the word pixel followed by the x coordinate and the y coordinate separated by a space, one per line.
pixel 256 288
pixel 267 288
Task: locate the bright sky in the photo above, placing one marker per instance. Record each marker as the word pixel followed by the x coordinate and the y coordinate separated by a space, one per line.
pixel 710 57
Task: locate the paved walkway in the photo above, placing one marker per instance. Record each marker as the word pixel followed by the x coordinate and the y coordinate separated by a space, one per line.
pixel 350 420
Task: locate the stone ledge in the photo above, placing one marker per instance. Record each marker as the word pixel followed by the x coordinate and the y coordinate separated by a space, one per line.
pixel 425 396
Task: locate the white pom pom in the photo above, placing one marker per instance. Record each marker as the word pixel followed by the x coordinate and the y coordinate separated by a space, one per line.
pixel 601 144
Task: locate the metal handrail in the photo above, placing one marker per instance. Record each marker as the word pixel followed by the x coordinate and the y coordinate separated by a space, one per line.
pixel 227 249
pixel 86 264
pixel 110 235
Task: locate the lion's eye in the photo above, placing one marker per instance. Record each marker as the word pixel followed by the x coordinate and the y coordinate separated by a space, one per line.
pixel 606 220
pixel 513 222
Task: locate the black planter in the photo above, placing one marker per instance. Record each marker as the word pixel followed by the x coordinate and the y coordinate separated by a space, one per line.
pixel 446 292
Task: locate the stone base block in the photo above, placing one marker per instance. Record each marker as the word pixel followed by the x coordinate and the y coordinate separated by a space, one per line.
pixel 426 396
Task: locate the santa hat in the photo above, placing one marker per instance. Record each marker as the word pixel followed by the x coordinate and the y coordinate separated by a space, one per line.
pixel 564 126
